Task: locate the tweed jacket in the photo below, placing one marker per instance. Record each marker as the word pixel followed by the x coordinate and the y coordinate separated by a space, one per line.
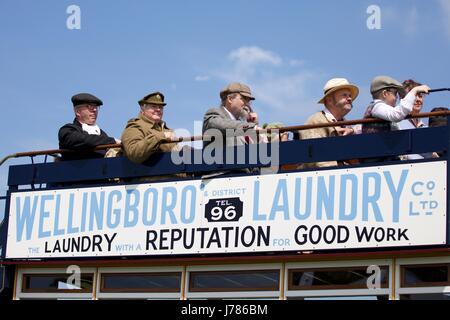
pixel 219 119
pixel 317 118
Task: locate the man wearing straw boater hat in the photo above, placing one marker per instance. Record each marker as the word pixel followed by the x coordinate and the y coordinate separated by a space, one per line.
pixel 337 99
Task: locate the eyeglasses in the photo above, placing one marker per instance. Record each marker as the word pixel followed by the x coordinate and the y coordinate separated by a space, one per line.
pixel 246 100
pixel 90 107
pixel 152 106
pixel 394 92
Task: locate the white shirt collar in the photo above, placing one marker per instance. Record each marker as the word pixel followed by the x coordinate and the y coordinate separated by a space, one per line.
pixel 229 113
pixel 94 129
pixel 329 115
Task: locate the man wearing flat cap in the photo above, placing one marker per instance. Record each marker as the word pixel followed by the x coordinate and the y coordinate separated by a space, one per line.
pixel 385 93
pixel 338 96
pixel 234 115
pixel 144 135
pixel 84 134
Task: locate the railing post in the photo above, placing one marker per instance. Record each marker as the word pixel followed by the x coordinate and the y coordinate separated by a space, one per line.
pixel 4 226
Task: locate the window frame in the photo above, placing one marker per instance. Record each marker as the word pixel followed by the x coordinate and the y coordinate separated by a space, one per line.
pixel 403 283
pixel 138 295
pixel 60 294
pixel 249 295
pixel 292 287
pixel 423 261
pixel 338 292
pixel 49 275
pixel 225 289
pixel 102 288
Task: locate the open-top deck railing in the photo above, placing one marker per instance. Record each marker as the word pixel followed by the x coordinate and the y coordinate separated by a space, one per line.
pixel 290 152
pixel 105 171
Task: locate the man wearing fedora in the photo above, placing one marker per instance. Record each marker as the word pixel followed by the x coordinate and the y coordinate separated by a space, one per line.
pixel 143 136
pixel 84 134
pixel 234 115
pixel 338 97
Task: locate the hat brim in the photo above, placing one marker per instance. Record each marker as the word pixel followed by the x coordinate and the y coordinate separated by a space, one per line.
pixel 147 102
pixel 401 91
pixel 81 103
pixel 245 94
pixel 353 90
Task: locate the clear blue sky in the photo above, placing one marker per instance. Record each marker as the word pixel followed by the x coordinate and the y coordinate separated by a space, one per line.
pixel 285 50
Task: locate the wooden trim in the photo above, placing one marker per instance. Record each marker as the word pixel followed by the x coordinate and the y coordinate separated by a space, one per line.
pixel 195 138
pixel 137 290
pixel 230 259
pixel 183 283
pixel 282 281
pixel 94 286
pixel 224 289
pixel 293 287
pixel 394 278
pixel 16 277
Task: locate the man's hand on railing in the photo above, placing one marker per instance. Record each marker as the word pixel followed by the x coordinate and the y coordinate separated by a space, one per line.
pixel 169 135
pixel 345 131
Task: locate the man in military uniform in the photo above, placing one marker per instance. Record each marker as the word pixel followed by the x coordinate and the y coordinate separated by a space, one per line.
pixel 144 135
pixel 84 134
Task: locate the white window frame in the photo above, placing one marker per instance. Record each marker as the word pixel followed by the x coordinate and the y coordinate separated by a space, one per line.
pixel 52 295
pixel 138 295
pixel 337 292
pixel 418 290
pixel 233 294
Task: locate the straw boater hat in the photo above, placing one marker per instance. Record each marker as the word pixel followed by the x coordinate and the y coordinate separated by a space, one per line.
pixel 338 84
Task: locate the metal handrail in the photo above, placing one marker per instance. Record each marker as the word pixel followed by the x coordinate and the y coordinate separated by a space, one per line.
pixel 198 138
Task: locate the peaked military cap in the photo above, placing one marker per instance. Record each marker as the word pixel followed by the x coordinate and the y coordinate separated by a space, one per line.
pixel 153 98
pixel 86 98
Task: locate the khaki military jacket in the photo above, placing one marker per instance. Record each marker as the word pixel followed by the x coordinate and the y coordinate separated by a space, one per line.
pixel 142 138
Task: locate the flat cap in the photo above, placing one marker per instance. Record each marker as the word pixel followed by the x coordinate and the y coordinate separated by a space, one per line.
pixel 153 98
pixel 384 82
pixel 86 98
pixel 236 87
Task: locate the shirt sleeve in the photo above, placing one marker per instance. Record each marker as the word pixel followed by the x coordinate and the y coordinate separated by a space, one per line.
pixel 386 112
pixel 214 120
